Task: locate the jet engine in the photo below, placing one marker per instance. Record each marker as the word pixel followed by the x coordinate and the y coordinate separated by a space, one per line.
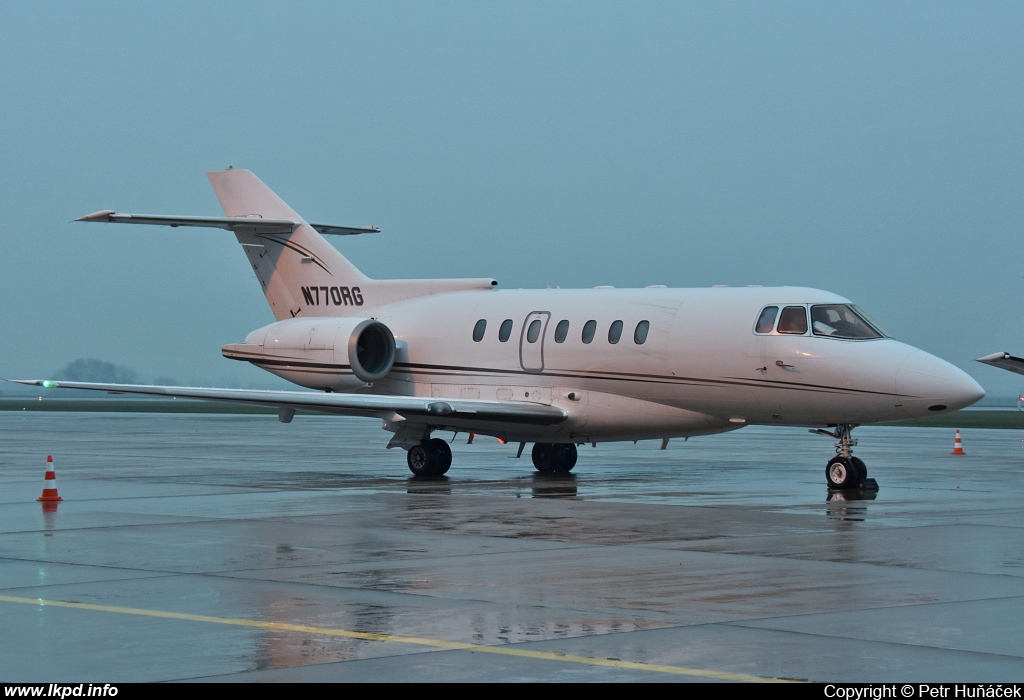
pixel 333 354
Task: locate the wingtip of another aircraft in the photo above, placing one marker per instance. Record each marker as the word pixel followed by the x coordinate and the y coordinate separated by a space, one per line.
pixel 103 215
pixel 995 356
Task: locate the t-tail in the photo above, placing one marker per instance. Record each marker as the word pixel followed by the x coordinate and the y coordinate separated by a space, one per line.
pixel 301 274
pixel 299 271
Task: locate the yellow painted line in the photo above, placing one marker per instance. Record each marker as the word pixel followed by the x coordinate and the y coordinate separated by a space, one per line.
pixel 400 639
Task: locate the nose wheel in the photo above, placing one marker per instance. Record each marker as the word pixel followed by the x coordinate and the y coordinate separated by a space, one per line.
pixel 844 471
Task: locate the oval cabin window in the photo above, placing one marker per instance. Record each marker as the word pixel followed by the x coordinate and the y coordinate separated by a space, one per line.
pixel 561 331
pixel 533 332
pixel 589 328
pixel 615 332
pixel 505 330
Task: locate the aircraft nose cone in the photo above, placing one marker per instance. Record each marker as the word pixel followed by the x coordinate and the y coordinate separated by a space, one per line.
pixel 927 385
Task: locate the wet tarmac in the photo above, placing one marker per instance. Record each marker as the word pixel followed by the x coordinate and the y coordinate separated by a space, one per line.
pixel 237 548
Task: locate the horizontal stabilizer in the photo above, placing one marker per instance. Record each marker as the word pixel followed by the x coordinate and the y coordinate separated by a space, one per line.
pixel 378 405
pixel 1004 360
pixel 230 223
pixel 331 230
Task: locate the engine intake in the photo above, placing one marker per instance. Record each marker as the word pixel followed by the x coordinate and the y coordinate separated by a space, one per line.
pixel 371 350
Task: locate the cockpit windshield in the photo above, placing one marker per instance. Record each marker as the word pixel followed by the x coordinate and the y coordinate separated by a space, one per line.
pixel 842 321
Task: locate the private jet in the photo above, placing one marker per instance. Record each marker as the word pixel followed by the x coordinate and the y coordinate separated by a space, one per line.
pixel 557 368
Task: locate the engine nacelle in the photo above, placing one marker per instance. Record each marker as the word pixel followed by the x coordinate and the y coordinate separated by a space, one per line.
pixel 340 354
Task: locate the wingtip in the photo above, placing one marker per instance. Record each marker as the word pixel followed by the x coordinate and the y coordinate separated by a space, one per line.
pixel 994 356
pixel 103 215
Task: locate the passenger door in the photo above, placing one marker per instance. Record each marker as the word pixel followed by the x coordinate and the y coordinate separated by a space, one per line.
pixel 531 341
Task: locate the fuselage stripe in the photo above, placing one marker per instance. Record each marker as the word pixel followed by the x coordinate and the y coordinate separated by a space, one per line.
pixel 465 371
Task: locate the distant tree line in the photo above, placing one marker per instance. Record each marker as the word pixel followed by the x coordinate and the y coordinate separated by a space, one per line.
pixel 92 370
pixel 80 370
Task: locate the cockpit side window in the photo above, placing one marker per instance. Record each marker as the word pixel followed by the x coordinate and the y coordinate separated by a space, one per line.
pixel 766 321
pixel 841 321
pixel 793 320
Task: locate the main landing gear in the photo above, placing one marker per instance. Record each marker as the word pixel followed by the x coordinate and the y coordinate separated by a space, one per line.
pixel 844 471
pixel 431 457
pixel 554 457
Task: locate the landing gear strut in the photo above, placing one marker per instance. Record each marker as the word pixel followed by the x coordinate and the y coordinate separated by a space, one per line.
pixel 431 457
pixel 554 457
pixel 844 471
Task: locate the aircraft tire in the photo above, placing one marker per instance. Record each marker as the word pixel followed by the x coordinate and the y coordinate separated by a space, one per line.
pixel 429 458
pixel 442 456
pixel 840 474
pixel 543 457
pixel 564 457
pixel 418 458
pixel 861 467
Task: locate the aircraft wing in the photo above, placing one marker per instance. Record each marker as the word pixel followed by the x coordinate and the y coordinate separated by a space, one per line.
pixel 378 405
pixel 1004 360
pixel 230 223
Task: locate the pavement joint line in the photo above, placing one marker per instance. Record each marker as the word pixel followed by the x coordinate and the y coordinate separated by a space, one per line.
pixel 401 639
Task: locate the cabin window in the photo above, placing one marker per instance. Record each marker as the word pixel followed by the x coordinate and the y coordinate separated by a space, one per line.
pixel 589 328
pixel 533 332
pixel 766 321
pixel 640 334
pixel 505 331
pixel 841 321
pixel 561 331
pixel 793 320
pixel 615 332
pixel 479 329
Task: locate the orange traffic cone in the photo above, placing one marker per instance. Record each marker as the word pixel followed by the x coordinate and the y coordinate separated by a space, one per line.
pixel 958 448
pixel 50 484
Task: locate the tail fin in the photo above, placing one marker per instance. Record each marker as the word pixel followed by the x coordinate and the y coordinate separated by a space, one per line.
pixel 300 272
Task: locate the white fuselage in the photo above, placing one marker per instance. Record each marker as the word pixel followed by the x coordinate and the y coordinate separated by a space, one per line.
pixel 701 369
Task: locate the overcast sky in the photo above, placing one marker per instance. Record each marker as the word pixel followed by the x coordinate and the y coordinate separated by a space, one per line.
pixel 871 149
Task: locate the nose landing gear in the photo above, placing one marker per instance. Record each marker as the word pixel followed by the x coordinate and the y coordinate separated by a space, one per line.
pixel 844 471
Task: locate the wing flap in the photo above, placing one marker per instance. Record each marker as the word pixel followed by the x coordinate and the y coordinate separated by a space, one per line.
pixel 378 405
